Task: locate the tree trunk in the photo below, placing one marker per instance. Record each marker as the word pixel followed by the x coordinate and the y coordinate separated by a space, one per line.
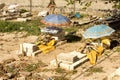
pixel 51 6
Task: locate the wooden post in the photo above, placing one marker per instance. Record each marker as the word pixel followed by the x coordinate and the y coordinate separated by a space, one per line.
pixel 31 6
pixel 52 6
pixel 74 6
pixel 57 65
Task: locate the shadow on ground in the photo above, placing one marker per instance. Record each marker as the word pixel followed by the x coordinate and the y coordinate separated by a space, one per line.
pixel 72 38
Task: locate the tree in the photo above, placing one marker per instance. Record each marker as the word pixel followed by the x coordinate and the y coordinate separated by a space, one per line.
pixel 51 6
pixel 72 2
pixel 116 3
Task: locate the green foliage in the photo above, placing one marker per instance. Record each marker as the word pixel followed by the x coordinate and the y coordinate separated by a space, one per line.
pixel 116 4
pixel 46 70
pixel 60 78
pixel 69 2
pixel 94 70
pixel 31 67
pixel 31 27
pixel 35 66
pixel 23 10
pixel 74 71
pixel 11 69
pixel 117 49
pixel 88 4
pixel 70 29
pixel 115 0
pixel 84 8
pixel 60 70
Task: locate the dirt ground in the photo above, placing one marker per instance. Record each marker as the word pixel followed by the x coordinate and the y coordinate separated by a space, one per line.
pixel 107 63
pixel 9 46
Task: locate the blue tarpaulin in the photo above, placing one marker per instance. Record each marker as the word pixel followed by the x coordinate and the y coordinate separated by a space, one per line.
pixel 77 15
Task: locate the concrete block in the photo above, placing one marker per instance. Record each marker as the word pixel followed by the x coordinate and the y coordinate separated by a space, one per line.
pixel 69 61
pixel 67 66
pixel 29 46
pixel 53 63
pixel 70 57
pixel 20 51
pixel 67 58
pixel 26 14
pixel 27 49
pixel 7 18
pixel 36 52
pixel 23 19
pixel 74 65
pixel 78 54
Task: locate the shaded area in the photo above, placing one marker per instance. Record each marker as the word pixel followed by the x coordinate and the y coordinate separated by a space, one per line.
pixel 72 38
pixel 114 43
pixel 115 24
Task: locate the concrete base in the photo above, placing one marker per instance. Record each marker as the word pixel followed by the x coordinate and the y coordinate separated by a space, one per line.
pixel 23 19
pixel 27 49
pixel 67 58
pixel 68 63
pixel 74 65
pixel 7 18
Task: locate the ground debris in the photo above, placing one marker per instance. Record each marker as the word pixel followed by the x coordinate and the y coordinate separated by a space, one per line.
pixel 9 60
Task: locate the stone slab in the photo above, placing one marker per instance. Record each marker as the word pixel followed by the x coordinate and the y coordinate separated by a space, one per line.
pixel 67 66
pixel 27 49
pixel 67 58
pixel 70 57
pixel 74 65
pixel 23 19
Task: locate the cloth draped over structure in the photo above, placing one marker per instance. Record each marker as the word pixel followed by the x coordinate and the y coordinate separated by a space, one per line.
pixel 48 47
